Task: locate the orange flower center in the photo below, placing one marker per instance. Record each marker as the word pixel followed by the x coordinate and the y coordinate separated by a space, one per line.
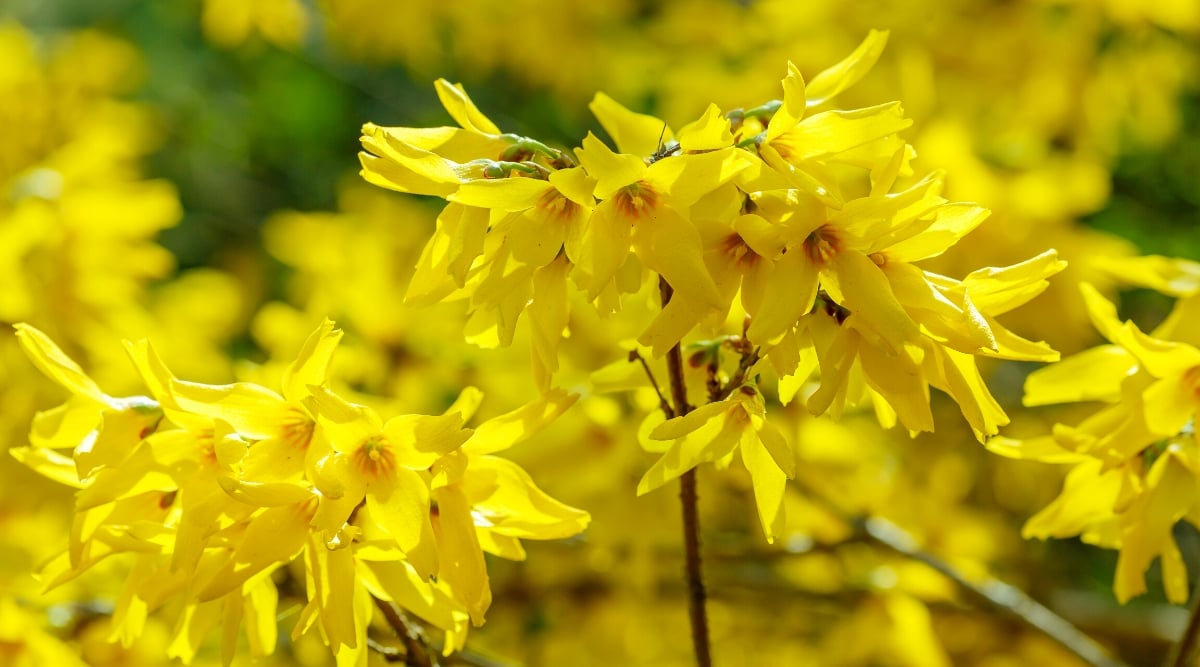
pixel 636 200
pixel 374 457
pixel 556 206
pixel 296 428
pixel 822 244
pixel 736 249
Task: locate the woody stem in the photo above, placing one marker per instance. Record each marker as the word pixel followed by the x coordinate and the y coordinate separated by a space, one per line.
pixel 687 497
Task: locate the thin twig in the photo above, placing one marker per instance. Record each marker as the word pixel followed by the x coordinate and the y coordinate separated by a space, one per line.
pixel 687 497
pixel 663 403
pixel 416 651
pixel 747 362
pixel 419 651
pixel 1186 651
pixel 992 591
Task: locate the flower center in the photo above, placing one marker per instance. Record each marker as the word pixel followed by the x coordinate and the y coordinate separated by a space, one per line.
pixel 296 428
pixel 636 200
pixel 822 244
pixel 374 457
pixel 736 249
pixel 556 206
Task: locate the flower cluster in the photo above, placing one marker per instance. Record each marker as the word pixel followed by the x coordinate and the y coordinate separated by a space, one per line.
pixel 1135 459
pixel 800 219
pixel 214 490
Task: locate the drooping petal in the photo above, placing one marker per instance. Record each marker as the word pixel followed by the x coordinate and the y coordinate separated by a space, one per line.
pixel 548 317
pixel 775 315
pixel 400 505
pixel 768 482
pixel 462 566
pixel 670 245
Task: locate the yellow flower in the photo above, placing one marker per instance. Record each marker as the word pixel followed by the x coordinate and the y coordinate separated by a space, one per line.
pixel 711 433
pixel 384 465
pixel 1136 460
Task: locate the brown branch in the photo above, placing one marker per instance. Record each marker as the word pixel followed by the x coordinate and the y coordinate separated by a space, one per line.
pixel 992 591
pixel 419 651
pixel 687 497
pixel 416 651
pixel 663 403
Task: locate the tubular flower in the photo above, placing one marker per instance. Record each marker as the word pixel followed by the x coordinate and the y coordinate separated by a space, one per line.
pixel 1135 460
pixel 210 489
pixel 724 211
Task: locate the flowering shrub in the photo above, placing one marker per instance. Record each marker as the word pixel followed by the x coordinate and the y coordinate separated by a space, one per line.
pixel 773 288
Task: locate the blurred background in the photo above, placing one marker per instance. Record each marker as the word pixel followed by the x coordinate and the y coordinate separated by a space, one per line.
pixel 186 171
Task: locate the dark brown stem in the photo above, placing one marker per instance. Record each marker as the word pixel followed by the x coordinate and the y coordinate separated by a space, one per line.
pixel 1186 651
pixel 416 652
pixel 687 497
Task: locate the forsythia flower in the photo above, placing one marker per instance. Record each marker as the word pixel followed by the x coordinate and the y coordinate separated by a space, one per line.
pixel 792 205
pixel 212 488
pixel 737 202
pixel 1136 460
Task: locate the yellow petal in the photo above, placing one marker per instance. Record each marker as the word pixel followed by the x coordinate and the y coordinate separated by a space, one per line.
pixel 505 194
pixel 612 171
pixel 849 71
pixel 397 166
pixel 548 317
pixel 768 482
pixel 776 315
pixel 503 495
pixel 681 314
pixel 670 245
pixel 401 507
pixel 950 223
pixel 312 363
pixel 602 248
pixel 1169 404
pixel 707 133
pixel 633 133
pixel 575 184
pixel 1091 375
pixel 253 410
pixel 274 537
pixel 264 494
pixel 869 296
pixel 421 439
pixel 792 108
pixel 55 364
pixel 714 440
pixel 679 427
pixel 1044 449
pixel 831 132
pixel 462 566
pixel 500 433
pixel 462 109
pixel 1169 275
